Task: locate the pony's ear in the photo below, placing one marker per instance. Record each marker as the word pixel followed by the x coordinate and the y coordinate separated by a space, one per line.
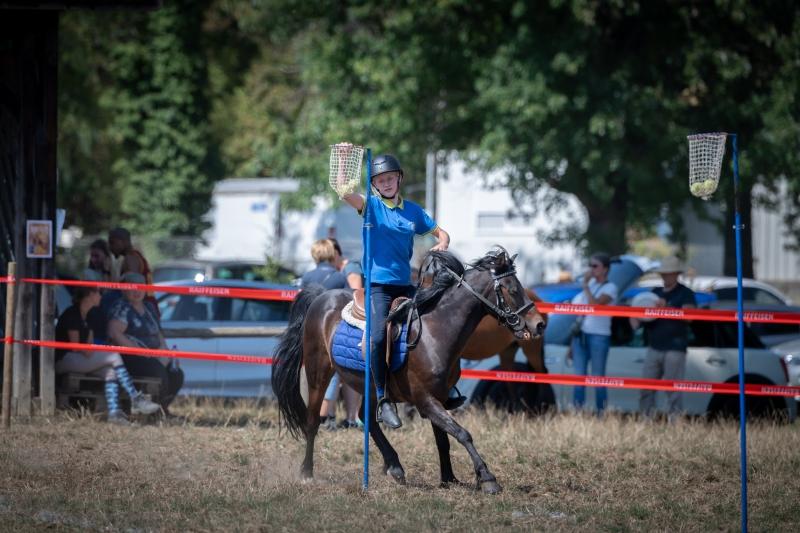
pixel 513 258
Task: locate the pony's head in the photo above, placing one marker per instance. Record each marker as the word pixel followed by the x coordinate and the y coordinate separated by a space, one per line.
pixel 511 301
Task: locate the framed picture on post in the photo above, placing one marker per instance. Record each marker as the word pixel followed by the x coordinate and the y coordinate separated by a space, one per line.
pixel 39 242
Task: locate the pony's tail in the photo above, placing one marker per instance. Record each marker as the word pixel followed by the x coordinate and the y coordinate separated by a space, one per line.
pixel 287 362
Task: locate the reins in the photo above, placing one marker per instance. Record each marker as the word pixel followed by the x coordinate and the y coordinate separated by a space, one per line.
pixel 511 319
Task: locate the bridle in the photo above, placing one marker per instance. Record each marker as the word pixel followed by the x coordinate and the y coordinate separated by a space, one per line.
pixel 504 314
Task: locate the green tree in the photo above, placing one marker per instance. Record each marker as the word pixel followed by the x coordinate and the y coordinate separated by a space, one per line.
pixel 87 187
pixel 592 98
pixel 161 120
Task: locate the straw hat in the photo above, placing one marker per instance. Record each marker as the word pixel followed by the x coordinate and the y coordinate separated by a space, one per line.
pixel 670 265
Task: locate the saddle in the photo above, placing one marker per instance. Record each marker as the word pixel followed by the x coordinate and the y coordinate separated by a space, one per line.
pixel 355 315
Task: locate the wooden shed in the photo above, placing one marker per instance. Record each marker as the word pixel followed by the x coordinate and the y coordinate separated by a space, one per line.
pixel 29 178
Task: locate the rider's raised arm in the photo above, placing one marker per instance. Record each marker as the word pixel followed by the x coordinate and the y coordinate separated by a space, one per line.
pixel 355 200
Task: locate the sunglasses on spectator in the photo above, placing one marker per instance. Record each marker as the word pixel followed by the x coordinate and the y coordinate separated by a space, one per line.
pixel 595 265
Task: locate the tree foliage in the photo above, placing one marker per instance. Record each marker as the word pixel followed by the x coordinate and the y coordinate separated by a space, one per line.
pixel 150 107
pixel 591 98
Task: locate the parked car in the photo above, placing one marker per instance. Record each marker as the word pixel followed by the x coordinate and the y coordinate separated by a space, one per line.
pixel 206 270
pixel 712 356
pixel 791 356
pixel 770 333
pixel 724 288
pixel 241 326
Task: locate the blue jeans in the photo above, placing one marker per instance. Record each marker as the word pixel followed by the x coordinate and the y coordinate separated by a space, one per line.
pixel 585 348
pixel 382 296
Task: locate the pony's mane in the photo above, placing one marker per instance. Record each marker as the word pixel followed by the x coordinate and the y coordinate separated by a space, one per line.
pixel 427 297
pixel 490 260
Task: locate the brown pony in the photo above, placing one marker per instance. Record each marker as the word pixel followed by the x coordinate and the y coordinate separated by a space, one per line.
pixel 491 338
pixel 449 310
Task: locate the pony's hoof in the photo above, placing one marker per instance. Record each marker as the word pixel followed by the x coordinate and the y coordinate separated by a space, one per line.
pixel 306 476
pixel 397 473
pixel 450 483
pixel 491 487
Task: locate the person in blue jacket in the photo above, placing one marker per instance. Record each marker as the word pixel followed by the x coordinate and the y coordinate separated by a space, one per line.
pixel 395 221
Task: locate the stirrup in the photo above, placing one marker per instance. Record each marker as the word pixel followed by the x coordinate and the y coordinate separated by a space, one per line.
pixel 454 402
pixel 391 419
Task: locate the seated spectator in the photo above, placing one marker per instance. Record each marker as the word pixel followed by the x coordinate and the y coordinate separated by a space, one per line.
pixel 100 259
pixel 119 242
pixel 132 322
pixel 72 327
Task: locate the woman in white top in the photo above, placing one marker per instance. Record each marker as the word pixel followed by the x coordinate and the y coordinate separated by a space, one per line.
pixel 594 339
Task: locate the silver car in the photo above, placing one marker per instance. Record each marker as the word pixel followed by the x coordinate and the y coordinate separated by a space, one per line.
pixel 240 326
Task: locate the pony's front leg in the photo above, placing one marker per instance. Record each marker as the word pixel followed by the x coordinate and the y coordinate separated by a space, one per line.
pixel 443 447
pixel 391 461
pixel 440 418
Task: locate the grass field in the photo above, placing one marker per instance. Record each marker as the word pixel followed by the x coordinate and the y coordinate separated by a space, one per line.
pixel 227 468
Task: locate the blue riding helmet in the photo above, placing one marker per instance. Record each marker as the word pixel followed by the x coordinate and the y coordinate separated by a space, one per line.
pixel 385 163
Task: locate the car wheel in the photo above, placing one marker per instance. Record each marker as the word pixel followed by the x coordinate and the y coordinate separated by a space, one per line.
pixel 726 406
pixel 531 398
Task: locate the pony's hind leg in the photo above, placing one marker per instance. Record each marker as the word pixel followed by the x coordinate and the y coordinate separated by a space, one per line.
pixel 442 419
pixel 443 447
pixel 391 461
pixel 319 373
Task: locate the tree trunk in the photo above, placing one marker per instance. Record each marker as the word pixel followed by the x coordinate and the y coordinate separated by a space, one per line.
pixel 607 222
pixel 745 211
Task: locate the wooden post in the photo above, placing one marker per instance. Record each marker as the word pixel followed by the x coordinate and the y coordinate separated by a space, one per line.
pixel 47 358
pixel 8 350
pixel 23 329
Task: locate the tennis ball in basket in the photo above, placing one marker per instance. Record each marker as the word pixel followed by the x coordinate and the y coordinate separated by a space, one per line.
pixel 709 187
pixel 697 188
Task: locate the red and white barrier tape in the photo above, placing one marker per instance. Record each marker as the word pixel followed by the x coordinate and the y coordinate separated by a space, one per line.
pixel 670 313
pixel 288 295
pixel 631 383
pixel 200 290
pixel 148 352
pixel 490 375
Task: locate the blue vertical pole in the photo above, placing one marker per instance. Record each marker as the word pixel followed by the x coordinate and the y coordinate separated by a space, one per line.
pixel 740 321
pixel 367 309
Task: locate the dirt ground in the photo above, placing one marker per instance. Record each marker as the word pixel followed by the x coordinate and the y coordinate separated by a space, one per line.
pixel 227 467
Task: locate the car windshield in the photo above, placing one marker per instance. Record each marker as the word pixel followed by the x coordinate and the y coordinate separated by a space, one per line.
pixel 749 294
pixel 162 274
pixel 182 307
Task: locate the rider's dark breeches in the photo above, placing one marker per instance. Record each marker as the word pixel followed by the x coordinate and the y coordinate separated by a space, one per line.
pixel 381 299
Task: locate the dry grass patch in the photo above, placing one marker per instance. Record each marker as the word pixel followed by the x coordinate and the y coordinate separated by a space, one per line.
pixel 226 467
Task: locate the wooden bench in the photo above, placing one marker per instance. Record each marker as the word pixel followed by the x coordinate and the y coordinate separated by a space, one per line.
pixel 76 391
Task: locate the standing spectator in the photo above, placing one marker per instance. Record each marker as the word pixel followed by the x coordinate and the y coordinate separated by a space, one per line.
pixel 352 398
pixel 351 269
pixel 132 322
pixel 72 327
pixel 667 339
pixel 592 341
pixel 327 275
pixel 100 259
pixel 119 242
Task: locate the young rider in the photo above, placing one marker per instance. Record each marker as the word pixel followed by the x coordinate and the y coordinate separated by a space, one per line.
pixel 395 221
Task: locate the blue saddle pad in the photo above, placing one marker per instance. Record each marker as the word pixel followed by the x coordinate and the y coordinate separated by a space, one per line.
pixel 346 348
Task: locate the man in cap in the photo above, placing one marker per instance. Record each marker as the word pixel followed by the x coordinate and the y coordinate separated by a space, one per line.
pixel 667 339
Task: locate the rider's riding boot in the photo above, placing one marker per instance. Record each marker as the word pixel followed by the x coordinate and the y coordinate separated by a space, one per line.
pixel 387 414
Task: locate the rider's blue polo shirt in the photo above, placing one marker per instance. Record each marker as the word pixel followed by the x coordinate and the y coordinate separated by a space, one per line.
pixel 393 230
